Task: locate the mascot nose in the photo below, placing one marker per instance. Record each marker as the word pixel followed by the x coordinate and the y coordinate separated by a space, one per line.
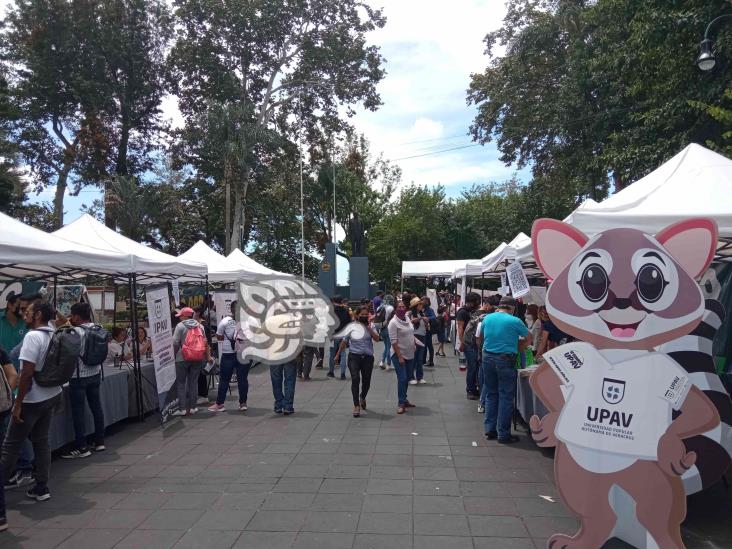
pixel 622 302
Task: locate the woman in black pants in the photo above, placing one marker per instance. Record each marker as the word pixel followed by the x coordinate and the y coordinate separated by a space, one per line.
pixel 360 336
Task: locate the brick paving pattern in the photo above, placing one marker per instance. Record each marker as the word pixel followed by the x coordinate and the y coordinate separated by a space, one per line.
pixel 319 479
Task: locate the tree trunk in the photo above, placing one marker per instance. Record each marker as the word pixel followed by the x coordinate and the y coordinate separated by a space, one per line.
pixel 58 199
pixel 227 207
pixel 240 195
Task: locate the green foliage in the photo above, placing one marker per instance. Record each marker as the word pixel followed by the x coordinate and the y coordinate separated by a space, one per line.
pixel 590 91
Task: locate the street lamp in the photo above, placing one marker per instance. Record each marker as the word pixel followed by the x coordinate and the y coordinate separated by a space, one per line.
pixel 706 60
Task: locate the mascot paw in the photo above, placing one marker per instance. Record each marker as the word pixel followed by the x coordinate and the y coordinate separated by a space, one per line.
pixel 542 430
pixel 561 541
pixel 672 456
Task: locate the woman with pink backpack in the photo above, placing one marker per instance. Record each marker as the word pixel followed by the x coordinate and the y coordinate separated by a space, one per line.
pixel 191 352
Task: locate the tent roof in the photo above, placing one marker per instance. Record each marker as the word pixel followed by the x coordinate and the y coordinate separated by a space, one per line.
pixel 507 253
pixel 433 268
pixel 145 260
pixel 29 252
pixel 239 258
pixel 220 269
pixel 696 182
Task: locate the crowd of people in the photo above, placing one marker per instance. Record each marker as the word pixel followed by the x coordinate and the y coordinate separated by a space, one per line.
pixel 488 333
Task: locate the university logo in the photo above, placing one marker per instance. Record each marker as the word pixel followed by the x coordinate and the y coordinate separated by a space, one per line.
pixel 278 316
pixel 158 308
pixel 613 390
pixel 574 358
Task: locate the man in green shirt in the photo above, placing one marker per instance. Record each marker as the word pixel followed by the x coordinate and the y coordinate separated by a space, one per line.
pixel 12 325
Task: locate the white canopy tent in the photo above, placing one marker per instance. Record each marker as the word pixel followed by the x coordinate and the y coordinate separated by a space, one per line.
pixel 220 269
pixel 247 263
pixel 428 269
pixel 508 252
pixel 26 252
pixel 696 182
pixel 87 231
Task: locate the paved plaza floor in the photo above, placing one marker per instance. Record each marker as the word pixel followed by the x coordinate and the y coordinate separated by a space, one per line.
pixel 319 479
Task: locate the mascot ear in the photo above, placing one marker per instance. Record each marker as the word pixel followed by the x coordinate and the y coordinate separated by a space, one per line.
pixel 692 244
pixel 555 244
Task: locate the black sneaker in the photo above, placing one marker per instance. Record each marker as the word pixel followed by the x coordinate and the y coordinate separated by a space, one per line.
pixel 19 479
pixel 3 524
pixel 76 453
pixel 278 410
pixel 39 493
pixel 343 376
pixel 491 435
pixel 288 412
pixel 330 374
pixel 510 440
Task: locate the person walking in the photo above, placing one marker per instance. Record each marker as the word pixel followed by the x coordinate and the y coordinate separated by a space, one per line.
pixel 420 322
pixel 499 338
pixel 383 313
pixel 344 318
pixel 229 335
pixel 34 404
pixel 432 325
pixel 308 355
pixel 283 377
pixel 403 344
pixel 191 353
pixel 467 327
pixel 85 385
pixel 360 358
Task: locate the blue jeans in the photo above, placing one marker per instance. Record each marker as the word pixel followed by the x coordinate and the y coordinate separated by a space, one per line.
pixel 418 367
pixel 402 377
pixel 229 363
pixel 472 359
pixel 499 385
pixel 331 358
pixel 384 335
pixel 84 390
pixel 283 376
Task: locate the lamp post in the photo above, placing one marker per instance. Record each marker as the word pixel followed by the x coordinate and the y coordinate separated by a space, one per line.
pixel 706 59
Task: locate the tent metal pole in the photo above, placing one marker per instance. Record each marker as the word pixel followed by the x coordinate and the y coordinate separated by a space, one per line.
pixel 132 281
pixel 402 277
pixel 55 283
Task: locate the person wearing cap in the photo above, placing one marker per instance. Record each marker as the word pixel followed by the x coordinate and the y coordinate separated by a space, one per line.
pixel 420 323
pixel 187 371
pixel 499 337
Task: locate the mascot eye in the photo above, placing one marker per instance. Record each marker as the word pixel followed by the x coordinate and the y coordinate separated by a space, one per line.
pixel 650 283
pixel 594 282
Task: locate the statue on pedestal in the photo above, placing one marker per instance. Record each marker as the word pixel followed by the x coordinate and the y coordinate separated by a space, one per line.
pixel 356 233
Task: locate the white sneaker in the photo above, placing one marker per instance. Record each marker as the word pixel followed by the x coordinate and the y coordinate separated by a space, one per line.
pixel 422 382
pixel 193 411
pixel 413 382
pixel 180 413
pixel 481 409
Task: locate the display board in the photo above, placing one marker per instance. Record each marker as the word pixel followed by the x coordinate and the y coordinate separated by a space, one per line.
pixel 161 336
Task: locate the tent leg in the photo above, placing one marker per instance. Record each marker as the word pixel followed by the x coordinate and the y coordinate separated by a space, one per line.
pixel 132 281
pixel 402 277
pixel 114 305
pixel 55 284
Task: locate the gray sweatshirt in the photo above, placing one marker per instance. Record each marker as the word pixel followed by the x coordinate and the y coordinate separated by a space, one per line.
pixel 402 333
pixel 179 336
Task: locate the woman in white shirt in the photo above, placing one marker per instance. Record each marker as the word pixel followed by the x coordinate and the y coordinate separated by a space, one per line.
pixel 401 336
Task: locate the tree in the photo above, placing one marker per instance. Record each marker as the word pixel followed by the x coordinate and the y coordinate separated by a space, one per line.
pixel 590 92
pixel 279 58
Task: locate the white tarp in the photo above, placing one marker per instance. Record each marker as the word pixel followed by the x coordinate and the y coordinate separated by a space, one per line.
pixel 444 268
pixel 696 182
pixel 26 251
pixel 508 253
pixel 220 269
pixel 240 259
pixel 87 231
pixel 477 268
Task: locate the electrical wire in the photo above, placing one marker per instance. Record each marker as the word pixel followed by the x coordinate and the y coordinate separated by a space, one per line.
pixel 436 152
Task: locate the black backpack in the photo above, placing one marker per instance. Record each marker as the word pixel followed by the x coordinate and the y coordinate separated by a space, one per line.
pixel 96 345
pixel 61 358
pixel 380 317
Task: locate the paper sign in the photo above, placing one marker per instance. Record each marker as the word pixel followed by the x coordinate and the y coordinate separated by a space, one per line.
pixel 222 302
pixel 503 289
pixel 161 336
pixel 517 280
pixel 176 292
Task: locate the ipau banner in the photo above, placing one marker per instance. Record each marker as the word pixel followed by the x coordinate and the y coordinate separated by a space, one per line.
pixel 161 337
pixel 633 431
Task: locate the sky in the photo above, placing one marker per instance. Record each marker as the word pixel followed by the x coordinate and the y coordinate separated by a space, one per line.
pixel 431 48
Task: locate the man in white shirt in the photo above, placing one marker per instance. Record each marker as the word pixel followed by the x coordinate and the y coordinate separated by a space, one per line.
pixel 84 388
pixel 227 334
pixel 34 404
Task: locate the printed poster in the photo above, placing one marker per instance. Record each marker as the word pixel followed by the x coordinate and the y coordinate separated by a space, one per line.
pixel 222 302
pixel 161 336
pixel 517 280
pixel 176 292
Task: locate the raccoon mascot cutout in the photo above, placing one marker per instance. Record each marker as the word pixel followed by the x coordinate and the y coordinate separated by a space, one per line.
pixel 637 413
